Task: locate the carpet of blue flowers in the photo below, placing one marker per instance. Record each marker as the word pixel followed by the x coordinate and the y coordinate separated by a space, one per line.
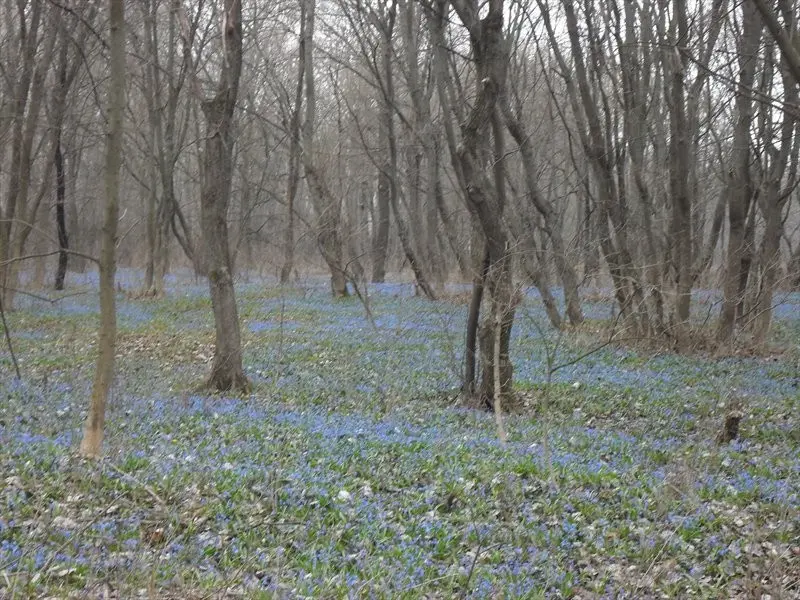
pixel 353 471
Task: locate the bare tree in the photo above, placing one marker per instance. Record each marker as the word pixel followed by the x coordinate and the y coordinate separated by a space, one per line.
pixel 741 190
pixel 481 138
pixel 779 169
pixel 36 43
pixel 217 173
pixel 293 126
pixel 68 64
pixel 163 84
pixel 327 206
pixel 91 444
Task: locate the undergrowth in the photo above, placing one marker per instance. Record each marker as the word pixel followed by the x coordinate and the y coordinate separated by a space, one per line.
pixel 353 471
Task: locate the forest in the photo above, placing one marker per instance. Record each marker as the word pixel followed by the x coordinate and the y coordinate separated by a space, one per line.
pixel 400 299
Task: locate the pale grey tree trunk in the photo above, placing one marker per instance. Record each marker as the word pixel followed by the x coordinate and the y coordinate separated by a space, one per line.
pixel 680 169
pixel 778 187
pixel 326 205
pixel 552 227
pixel 740 186
pixel 293 181
pixel 38 35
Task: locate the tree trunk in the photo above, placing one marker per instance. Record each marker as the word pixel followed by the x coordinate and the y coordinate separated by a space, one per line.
pixel 500 285
pixel 770 265
pixel 601 153
pixel 150 283
pixel 435 262
pixel 380 237
pixel 552 228
pixel 390 170
pixel 740 190
pixel 92 442
pixel 61 215
pixel 533 261
pixel 485 195
pixel 163 83
pixel 776 193
pixel 16 221
pixel 681 220
pixel 450 232
pixel 327 207
pixel 473 315
pixel 294 153
pixel 635 82
pixel 226 371
pixel 65 75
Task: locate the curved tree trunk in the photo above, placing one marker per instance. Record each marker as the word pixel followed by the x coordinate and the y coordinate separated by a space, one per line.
pixel 566 272
pixel 485 194
pixel 65 75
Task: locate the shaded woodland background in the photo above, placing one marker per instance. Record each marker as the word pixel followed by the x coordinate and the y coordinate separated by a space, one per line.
pixel 650 148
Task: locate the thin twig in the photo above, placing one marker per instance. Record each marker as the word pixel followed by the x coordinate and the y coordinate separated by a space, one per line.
pixel 40 297
pixel 88 257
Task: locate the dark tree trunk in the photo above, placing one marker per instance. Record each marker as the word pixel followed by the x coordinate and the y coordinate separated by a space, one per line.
pixel 61 216
pixel 485 194
pixel 64 78
pixel 226 371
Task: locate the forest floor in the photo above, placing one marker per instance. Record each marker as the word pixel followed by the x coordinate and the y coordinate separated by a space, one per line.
pixel 354 471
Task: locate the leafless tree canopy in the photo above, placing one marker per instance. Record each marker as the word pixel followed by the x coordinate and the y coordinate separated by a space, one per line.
pixel 647 148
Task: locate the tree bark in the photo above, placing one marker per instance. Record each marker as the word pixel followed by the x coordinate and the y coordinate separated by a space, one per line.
pixel 468 385
pixel 485 195
pixel 552 228
pixel 681 219
pixel 326 205
pixel 65 75
pixel 226 371
pixel 390 167
pixel 777 190
pixel 601 156
pixel 740 186
pixel 61 215
pixel 380 237
pixel 16 220
pixel 164 82
pixel 294 153
pixel 92 442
